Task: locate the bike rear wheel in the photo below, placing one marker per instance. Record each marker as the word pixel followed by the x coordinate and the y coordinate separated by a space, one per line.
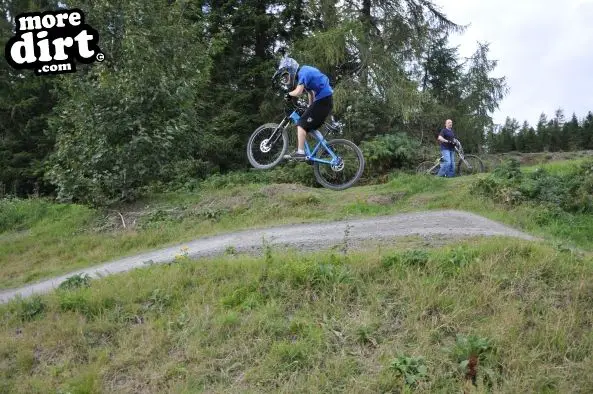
pixel 427 168
pixel 267 146
pixel 474 161
pixel 347 172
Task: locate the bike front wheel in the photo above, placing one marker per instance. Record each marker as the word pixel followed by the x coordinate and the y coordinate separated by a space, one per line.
pixel 267 146
pixel 474 165
pixel 427 168
pixel 346 172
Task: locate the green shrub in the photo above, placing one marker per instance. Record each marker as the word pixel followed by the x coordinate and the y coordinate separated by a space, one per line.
pixel 294 172
pixel 571 191
pixel 30 309
pixel 75 281
pixel 284 173
pixel 509 170
pixel 385 152
pixel 236 178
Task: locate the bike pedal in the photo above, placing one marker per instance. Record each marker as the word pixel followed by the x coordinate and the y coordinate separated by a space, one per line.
pixel 300 159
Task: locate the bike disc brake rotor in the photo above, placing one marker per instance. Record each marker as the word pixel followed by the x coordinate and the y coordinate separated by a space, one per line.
pixel 264 147
pixel 338 165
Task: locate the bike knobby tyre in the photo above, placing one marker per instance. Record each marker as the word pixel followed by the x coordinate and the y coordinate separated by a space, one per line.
pixel 423 168
pixel 256 144
pixel 475 161
pixel 318 167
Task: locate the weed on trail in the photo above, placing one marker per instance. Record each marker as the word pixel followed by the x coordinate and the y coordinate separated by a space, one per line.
pixel 412 369
pixel 492 315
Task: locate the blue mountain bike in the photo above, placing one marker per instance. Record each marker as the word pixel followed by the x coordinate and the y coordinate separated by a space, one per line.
pixel 337 164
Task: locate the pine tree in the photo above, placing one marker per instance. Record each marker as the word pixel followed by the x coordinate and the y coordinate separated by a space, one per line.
pixel 587 131
pixel 543 133
pixel 555 125
pixel 507 135
pixel 571 133
pixel 521 138
pixel 481 96
pixel 242 66
pixel 136 121
pixel 26 103
pixel 532 143
pixel 184 84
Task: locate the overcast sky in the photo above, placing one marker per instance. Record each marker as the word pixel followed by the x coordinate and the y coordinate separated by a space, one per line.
pixel 544 48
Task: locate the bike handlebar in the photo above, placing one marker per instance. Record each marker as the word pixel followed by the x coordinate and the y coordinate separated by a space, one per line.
pixel 274 77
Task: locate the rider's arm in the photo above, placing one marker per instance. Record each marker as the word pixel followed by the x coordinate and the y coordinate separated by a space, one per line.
pixel 298 91
pixel 311 97
pixel 442 139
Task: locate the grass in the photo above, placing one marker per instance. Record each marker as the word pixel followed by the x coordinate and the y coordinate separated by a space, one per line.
pixel 543 158
pixel 509 315
pixel 557 167
pixel 42 239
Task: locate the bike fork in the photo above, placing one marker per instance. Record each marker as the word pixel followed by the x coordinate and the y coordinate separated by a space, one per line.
pixel 278 132
pixel 466 163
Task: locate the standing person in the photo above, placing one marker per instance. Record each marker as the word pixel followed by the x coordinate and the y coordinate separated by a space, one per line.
pixel 446 140
pixel 316 84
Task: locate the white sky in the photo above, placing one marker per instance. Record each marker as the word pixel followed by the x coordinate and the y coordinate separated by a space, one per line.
pixel 544 48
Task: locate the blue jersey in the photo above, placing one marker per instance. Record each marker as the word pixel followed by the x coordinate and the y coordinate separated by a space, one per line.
pixel 315 80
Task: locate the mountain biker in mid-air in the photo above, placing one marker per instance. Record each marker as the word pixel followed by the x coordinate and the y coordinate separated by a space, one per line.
pixel 306 79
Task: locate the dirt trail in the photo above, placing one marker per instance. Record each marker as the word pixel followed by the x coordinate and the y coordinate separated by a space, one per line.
pixel 310 236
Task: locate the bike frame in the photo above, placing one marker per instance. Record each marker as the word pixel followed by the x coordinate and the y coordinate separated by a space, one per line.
pixel 321 142
pixel 310 154
pixel 461 156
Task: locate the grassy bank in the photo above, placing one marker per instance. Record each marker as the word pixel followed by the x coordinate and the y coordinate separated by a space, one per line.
pixel 41 239
pixel 377 321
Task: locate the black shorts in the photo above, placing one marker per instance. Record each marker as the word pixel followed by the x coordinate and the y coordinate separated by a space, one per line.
pixel 315 114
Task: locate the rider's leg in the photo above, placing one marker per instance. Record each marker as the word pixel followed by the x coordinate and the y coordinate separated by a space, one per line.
pixel 311 119
pixel 301 135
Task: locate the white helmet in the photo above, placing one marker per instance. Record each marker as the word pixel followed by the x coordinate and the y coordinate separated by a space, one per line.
pixel 287 70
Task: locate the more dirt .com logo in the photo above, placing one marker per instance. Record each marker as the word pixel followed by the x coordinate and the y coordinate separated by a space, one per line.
pixel 50 42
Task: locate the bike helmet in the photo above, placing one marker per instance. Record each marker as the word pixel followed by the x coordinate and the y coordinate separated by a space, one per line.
pixel 287 70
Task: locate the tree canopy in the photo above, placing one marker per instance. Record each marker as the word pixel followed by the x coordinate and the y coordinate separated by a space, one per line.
pixel 184 83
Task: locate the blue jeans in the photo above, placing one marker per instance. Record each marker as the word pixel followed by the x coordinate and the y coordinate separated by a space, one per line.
pixel 448 163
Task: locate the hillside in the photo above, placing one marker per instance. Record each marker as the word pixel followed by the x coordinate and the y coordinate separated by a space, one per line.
pixel 315 323
pixel 42 239
pixel 416 314
pixel 138 156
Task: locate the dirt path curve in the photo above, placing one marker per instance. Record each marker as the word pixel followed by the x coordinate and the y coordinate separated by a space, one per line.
pixel 311 236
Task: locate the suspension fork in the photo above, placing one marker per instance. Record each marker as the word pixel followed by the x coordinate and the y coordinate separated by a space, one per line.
pixel 278 132
pixel 462 156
